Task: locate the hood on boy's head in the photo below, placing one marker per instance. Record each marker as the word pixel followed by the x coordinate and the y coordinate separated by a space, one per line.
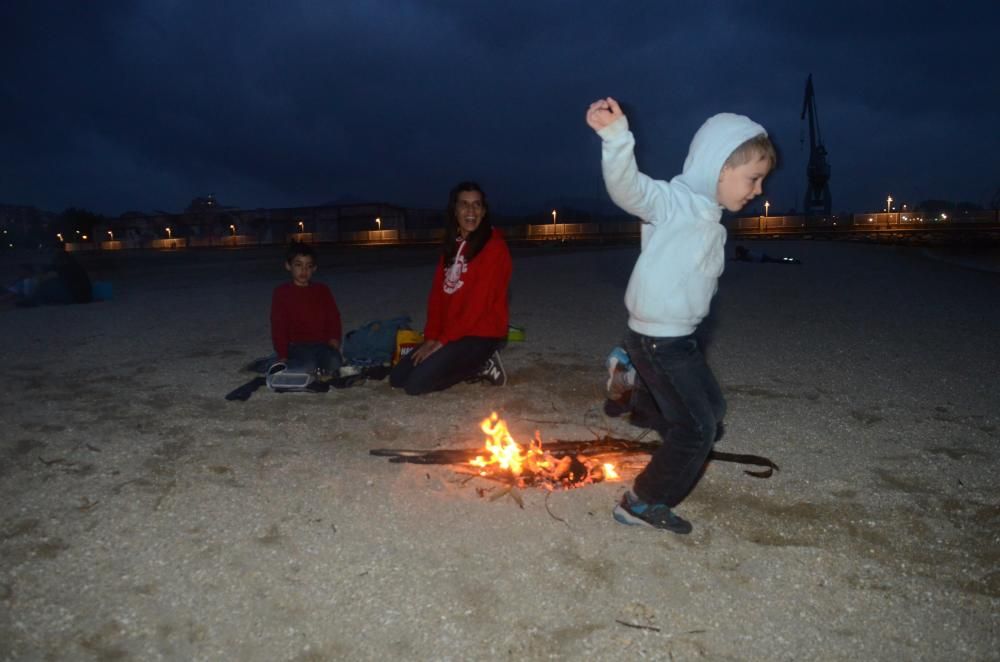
pixel 711 146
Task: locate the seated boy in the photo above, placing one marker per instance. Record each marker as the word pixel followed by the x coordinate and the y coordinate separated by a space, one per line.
pixel 305 321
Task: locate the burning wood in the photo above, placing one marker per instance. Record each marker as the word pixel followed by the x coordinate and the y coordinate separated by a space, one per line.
pixel 534 465
pixel 560 464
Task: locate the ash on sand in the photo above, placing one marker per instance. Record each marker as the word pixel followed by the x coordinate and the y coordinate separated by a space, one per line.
pixel 147 518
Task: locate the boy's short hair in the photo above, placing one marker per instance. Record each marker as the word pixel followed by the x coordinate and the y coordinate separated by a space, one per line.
pixel 297 248
pixel 758 147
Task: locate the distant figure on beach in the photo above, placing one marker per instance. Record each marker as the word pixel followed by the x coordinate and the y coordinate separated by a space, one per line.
pixel 64 281
pixel 743 254
pixel 305 320
pixel 23 288
pixel 467 311
pixel 669 292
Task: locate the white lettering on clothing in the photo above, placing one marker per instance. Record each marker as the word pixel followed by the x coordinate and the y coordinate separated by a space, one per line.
pixel 453 274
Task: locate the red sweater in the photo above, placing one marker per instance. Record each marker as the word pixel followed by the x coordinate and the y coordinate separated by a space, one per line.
pixel 470 299
pixel 303 314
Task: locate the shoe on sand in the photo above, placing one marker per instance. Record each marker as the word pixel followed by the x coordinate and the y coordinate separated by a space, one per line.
pixel 621 375
pixel 634 511
pixel 493 371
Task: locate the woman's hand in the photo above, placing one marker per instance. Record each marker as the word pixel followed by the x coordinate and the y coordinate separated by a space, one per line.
pixel 425 350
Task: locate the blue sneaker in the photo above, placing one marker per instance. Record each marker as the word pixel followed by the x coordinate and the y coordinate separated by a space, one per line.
pixel 621 375
pixel 634 511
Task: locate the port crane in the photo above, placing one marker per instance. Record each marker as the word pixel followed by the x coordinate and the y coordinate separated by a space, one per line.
pixel 818 200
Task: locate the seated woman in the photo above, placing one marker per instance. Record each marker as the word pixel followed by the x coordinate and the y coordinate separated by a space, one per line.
pixel 467 308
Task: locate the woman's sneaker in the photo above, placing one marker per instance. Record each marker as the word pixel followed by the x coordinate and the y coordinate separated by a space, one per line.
pixel 493 371
pixel 633 510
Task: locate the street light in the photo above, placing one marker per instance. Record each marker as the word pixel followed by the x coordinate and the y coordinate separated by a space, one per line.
pixel 232 228
pixel 59 234
pixel 378 222
pixel 553 216
pixel 170 234
pixel 111 235
pixel 888 203
pixel 302 226
pixel 767 205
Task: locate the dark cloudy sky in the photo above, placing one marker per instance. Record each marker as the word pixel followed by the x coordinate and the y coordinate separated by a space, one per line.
pixel 143 105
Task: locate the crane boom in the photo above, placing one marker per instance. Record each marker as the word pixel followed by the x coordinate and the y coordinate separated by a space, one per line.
pixel 818 199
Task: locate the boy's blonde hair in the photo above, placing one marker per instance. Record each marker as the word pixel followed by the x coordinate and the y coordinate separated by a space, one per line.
pixel 758 147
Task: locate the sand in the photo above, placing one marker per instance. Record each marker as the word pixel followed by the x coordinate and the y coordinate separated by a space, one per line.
pixel 145 517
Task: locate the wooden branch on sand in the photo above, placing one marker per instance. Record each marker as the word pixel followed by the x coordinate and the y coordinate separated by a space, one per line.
pixel 561 448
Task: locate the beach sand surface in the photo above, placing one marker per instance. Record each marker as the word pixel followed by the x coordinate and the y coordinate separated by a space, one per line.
pixel 145 517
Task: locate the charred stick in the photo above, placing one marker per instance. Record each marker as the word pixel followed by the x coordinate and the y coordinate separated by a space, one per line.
pixel 562 448
pixel 637 626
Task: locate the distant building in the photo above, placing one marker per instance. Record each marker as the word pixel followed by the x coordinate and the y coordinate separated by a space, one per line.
pixel 24 225
pixel 205 222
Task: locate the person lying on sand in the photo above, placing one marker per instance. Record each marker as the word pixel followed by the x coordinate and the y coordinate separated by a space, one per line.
pixel 743 254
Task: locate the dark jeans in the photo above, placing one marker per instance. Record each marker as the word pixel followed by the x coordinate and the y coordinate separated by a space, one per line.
pixel 455 362
pixel 688 410
pixel 310 357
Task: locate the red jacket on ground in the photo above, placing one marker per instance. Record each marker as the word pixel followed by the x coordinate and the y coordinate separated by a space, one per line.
pixel 303 315
pixel 470 298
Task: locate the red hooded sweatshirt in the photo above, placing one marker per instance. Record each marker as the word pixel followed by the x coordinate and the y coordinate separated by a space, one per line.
pixel 470 298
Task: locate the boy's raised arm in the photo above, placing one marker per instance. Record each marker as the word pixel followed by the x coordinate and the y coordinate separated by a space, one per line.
pixel 602 113
pixel 631 190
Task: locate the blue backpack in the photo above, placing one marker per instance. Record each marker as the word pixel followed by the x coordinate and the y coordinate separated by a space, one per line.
pixel 375 342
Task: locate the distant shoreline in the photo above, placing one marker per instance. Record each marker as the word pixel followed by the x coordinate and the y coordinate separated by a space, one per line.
pixel 338 257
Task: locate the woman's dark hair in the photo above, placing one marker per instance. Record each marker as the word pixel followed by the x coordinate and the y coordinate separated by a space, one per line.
pixel 477 239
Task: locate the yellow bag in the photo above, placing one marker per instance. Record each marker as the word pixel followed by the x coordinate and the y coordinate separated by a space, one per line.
pixel 407 340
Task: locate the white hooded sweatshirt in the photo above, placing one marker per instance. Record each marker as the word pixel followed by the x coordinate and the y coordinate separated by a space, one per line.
pixel 683 243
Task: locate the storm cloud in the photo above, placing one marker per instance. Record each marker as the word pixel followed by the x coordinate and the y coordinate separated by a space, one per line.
pixel 117 106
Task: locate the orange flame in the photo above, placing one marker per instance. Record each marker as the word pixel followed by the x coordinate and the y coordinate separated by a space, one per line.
pixel 509 456
pixel 505 453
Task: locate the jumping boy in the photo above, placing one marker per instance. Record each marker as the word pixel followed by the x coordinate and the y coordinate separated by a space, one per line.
pixel 670 290
pixel 305 321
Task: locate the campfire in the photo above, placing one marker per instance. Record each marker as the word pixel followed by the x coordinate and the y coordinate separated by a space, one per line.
pixel 559 465
pixel 507 459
